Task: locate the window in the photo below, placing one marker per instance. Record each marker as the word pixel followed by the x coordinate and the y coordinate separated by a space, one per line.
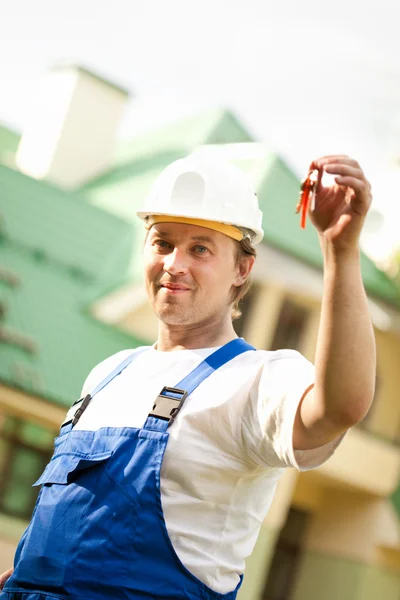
pixel 290 327
pixel 25 449
pixel 281 576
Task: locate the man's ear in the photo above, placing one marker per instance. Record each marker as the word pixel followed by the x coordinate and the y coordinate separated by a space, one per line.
pixel 243 269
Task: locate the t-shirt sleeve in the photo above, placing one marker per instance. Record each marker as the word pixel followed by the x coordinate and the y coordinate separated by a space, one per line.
pixel 269 420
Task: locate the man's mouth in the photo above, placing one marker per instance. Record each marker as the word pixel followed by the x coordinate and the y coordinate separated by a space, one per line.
pixel 174 287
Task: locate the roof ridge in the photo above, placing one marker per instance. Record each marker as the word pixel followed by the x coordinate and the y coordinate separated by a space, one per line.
pixel 212 111
pixel 9 127
pixel 215 115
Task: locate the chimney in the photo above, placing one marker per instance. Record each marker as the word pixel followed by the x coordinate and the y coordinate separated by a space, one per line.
pixel 69 137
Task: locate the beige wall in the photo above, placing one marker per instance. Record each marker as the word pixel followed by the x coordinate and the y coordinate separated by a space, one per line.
pixel 385 415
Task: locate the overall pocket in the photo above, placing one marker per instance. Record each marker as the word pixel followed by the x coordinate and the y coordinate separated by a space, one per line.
pixel 84 520
pixel 63 468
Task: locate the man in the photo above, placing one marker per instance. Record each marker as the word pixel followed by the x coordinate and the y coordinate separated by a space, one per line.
pixel 161 494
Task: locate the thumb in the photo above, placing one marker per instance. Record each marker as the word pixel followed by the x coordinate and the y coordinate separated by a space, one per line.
pixel 4 577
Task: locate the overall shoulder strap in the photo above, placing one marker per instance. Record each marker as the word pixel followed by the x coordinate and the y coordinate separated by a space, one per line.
pixel 170 400
pixel 118 370
pixel 213 362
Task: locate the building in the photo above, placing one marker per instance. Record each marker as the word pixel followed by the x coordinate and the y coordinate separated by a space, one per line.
pixel 72 294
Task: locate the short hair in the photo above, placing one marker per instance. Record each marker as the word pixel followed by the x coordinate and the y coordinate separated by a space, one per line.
pixel 243 248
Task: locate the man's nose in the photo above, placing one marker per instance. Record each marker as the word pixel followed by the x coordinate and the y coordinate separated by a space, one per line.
pixel 176 262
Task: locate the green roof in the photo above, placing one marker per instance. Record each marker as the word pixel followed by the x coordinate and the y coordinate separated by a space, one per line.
pixel 9 141
pixel 62 226
pixel 54 257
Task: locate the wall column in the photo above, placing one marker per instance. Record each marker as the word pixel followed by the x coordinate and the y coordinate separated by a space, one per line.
pixel 264 316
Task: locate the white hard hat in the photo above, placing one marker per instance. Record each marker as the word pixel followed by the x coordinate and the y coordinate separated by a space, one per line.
pixel 199 189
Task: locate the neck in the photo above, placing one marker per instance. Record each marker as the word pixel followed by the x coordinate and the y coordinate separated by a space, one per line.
pixel 200 335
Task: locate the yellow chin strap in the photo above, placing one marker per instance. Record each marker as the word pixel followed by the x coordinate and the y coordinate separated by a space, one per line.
pixel 229 230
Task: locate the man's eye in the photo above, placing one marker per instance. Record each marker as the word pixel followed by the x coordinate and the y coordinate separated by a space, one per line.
pixel 201 249
pixel 162 243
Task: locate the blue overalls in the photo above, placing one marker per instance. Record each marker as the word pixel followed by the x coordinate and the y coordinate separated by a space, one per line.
pixel 97 531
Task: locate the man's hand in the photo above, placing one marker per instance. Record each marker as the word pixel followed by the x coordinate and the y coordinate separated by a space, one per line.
pixel 340 209
pixel 4 577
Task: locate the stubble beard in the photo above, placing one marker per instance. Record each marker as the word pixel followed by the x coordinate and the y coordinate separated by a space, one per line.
pixel 172 311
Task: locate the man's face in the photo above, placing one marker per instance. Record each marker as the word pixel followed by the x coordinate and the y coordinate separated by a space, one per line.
pixel 189 273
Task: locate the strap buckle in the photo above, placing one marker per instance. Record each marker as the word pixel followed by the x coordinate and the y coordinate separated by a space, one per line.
pixel 75 411
pixel 168 403
pixel 81 409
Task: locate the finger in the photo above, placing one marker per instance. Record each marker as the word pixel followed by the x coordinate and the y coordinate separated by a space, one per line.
pixel 344 169
pixel 347 170
pixel 346 160
pixel 4 577
pixel 312 166
pixel 359 185
pixel 318 186
pixel 362 197
pixel 329 156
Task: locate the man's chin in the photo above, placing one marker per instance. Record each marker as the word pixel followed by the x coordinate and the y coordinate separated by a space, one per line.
pixel 174 315
pixel 176 319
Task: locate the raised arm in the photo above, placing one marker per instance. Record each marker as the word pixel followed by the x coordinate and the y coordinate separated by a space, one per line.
pixel 345 359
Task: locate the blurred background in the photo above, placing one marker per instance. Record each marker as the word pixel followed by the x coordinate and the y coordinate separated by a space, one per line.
pixel 96 98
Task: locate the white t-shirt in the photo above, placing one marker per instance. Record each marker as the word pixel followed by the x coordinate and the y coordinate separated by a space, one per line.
pixel 227 447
